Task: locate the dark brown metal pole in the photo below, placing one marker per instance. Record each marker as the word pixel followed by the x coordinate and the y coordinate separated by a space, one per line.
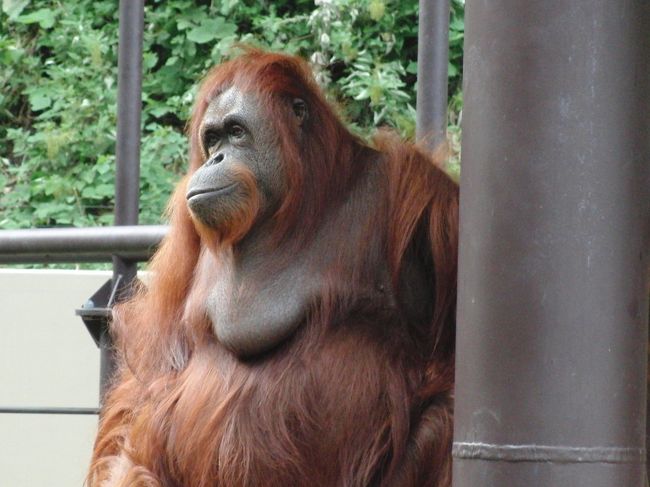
pixel 554 253
pixel 127 181
pixel 433 58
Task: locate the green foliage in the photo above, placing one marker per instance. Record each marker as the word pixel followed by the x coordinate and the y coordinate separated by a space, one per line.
pixel 59 79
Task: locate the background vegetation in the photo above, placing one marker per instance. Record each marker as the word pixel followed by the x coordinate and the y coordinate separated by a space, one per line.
pixel 59 78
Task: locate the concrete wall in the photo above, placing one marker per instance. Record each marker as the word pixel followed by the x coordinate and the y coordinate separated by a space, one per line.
pixel 47 358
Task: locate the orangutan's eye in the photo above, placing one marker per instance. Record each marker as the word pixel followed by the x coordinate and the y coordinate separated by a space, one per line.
pixel 210 139
pixel 236 131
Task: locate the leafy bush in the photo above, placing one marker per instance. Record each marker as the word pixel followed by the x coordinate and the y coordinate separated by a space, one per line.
pixel 59 79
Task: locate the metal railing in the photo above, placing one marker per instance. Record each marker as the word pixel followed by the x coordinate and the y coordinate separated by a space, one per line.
pixel 557 119
pixel 126 243
pixel 94 244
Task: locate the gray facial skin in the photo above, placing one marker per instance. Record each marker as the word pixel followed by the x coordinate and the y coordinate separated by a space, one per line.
pixel 234 133
pixel 251 309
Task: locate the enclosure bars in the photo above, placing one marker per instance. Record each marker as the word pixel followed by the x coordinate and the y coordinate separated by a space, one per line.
pixel 93 244
pixel 433 58
pixel 127 177
pixel 97 244
pixel 555 225
pixel 128 244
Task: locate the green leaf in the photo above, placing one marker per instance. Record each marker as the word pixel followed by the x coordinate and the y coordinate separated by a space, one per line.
pixel 105 190
pixel 63 217
pixel 227 6
pixel 106 219
pixel 457 24
pixel 456 36
pixel 53 186
pixel 149 59
pixel 211 29
pixel 13 8
pixel 44 17
pixel 159 110
pixel 90 193
pixel 39 100
pixel 201 34
pixel 183 24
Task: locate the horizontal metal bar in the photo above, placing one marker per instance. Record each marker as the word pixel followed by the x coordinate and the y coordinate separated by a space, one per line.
pixel 94 244
pixel 545 453
pixel 37 410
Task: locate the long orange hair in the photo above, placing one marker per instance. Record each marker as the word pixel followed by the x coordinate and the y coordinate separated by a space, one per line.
pixel 361 395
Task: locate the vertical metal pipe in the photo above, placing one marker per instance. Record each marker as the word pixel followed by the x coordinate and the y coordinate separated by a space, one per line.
pixel 127 179
pixel 129 106
pixel 433 59
pixel 554 253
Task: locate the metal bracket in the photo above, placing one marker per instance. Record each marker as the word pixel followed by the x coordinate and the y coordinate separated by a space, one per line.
pixel 97 311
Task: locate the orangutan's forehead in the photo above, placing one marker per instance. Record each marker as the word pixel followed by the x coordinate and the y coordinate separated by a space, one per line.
pixel 233 101
pixel 227 100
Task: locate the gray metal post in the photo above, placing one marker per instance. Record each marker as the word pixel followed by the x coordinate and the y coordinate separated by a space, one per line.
pixel 433 58
pixel 129 106
pixel 554 253
pixel 127 181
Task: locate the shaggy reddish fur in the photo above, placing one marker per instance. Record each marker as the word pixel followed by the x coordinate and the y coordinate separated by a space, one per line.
pixel 359 396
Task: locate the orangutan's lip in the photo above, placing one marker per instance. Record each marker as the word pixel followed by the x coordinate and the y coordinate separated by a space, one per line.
pixel 208 191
